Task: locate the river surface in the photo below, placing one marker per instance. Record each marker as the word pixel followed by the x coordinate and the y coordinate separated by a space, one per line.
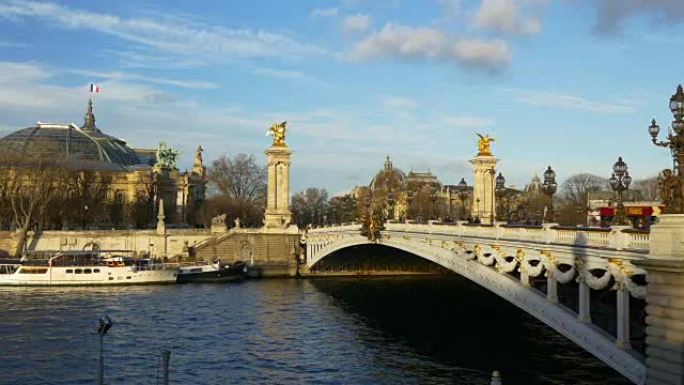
pixel 400 330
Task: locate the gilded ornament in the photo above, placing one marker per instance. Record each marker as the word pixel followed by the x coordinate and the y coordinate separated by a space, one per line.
pixel 483 145
pixel 277 130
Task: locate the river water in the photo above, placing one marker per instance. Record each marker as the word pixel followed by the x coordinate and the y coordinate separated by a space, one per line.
pixel 399 330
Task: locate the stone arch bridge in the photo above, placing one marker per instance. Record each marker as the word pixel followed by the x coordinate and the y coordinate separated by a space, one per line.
pixel 503 259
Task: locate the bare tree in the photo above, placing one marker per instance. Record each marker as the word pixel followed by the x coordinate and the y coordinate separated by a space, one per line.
pixel 646 189
pixel 87 195
pixel 422 201
pixel 32 184
pixel 237 187
pixel 141 210
pixel 389 191
pixel 310 206
pixel 341 209
pixel 573 196
pixel 238 177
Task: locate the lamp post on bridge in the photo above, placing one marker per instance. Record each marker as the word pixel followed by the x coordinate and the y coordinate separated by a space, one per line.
pixel 620 182
pixel 433 198
pixel 672 180
pixel 500 191
pixel 492 214
pixel 549 187
pixel 463 195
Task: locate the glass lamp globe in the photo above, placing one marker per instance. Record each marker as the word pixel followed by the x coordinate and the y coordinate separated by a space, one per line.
pixel 653 129
pixel 620 167
pixel 677 102
pixel 613 182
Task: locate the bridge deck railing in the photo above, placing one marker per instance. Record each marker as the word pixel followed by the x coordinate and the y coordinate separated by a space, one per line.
pixel 617 238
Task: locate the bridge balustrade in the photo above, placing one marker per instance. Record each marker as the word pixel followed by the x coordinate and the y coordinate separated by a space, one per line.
pixel 596 259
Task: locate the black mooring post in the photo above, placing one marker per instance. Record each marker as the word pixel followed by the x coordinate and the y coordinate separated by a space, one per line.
pixel 166 358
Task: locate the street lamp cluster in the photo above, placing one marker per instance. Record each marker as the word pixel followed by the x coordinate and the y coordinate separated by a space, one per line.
pixel 463 195
pixel 620 182
pixel 500 191
pixel 671 180
pixel 549 188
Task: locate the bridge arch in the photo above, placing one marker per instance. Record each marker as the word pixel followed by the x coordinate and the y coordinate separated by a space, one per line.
pixel 476 266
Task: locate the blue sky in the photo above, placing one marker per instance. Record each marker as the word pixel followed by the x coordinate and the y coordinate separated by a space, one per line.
pixel 568 83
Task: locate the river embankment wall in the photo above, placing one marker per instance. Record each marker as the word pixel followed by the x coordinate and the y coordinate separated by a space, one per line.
pixel 271 253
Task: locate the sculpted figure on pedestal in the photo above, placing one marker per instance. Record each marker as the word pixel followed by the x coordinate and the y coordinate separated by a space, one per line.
pixel 670 192
pixel 278 132
pixel 483 145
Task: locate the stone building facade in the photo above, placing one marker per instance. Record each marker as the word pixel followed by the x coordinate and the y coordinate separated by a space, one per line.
pixel 138 175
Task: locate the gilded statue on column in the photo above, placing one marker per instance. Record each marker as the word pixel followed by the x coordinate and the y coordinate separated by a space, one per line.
pixel 671 192
pixel 483 145
pixel 278 132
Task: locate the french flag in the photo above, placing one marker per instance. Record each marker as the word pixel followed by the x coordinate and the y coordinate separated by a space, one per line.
pixel 94 88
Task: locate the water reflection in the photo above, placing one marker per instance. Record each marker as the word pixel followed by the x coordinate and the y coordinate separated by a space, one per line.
pixel 438 330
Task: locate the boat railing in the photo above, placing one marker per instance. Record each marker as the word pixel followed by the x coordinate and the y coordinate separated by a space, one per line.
pixel 196 263
pixel 156 266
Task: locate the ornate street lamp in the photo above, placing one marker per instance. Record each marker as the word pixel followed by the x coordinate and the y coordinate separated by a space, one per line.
pixel 463 195
pixel 549 187
pixel 672 179
pixel 620 182
pixel 492 173
pixel 500 190
pixel 433 198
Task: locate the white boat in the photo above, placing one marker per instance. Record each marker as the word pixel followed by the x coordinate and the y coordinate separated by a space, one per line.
pixel 84 268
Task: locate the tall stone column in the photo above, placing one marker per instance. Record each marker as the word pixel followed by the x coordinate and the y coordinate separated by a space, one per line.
pixel 665 302
pixel 483 199
pixel 278 213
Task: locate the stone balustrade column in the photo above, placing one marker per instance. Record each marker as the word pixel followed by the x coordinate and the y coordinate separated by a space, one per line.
pixel 584 300
pixel 617 239
pixel 524 275
pixel 549 233
pixel 551 288
pixel 459 228
pixel 665 302
pixel 623 338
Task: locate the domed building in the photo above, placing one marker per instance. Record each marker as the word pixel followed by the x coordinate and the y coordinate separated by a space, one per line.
pixel 534 188
pixel 135 177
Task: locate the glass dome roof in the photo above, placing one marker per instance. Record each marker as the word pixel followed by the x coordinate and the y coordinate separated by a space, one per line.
pixel 86 145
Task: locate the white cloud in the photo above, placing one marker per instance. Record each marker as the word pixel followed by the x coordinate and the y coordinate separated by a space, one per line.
pixel 547 99
pixel 16 73
pixel 178 36
pixel 400 103
pixel 503 16
pixel 118 75
pixel 426 43
pixel 356 23
pixel 324 12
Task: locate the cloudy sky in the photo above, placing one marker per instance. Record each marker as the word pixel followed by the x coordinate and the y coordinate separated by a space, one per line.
pixel 568 83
